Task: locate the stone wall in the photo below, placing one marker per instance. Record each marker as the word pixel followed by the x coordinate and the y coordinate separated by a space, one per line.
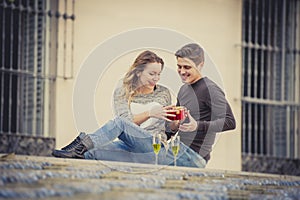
pixel 265 164
pixel 26 145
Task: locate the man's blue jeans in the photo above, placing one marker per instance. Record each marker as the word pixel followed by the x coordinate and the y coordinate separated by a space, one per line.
pixel 134 144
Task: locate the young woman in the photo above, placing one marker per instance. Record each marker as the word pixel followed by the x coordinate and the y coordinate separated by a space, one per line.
pixel 141 107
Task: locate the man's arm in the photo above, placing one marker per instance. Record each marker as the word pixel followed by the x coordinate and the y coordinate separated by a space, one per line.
pixel 222 118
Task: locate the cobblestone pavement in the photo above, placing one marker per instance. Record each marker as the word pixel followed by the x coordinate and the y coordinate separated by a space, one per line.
pixel 30 177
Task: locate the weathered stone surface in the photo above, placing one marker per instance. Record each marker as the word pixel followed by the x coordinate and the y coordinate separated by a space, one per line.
pixel 265 164
pixel 26 145
pixel 30 177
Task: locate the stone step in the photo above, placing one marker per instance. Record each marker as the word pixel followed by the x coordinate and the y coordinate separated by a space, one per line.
pixel 35 177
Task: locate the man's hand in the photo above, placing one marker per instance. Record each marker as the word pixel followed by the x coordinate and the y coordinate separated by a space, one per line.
pixel 189 127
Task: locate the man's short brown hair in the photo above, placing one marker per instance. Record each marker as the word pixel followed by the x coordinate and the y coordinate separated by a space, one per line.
pixel 191 51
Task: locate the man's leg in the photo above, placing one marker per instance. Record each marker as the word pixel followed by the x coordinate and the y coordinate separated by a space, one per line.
pixel 186 157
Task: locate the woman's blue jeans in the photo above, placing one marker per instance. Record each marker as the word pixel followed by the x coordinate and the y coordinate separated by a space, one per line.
pixel 134 144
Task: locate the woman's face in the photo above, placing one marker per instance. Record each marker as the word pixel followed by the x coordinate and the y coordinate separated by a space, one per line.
pixel 150 76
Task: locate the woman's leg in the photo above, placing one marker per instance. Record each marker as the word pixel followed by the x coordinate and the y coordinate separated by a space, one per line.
pixel 114 151
pixel 119 151
pixel 136 138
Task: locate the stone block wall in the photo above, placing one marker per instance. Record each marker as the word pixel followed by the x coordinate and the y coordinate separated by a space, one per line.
pixel 26 145
pixel 265 164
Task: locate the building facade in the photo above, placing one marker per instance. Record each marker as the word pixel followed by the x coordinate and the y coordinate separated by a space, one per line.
pixel 252 45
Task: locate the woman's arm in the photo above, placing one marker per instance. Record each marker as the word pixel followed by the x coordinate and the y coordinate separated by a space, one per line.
pixel 121 108
pixel 120 104
pixel 140 118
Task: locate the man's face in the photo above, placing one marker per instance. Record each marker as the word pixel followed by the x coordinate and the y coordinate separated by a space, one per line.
pixel 188 71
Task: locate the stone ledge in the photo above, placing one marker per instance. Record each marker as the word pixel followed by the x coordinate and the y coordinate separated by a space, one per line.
pixel 48 177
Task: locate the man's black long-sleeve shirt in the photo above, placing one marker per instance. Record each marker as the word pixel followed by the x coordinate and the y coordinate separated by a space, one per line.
pixel 208 106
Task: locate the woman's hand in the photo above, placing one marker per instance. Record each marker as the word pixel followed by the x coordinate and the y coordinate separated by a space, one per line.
pixel 190 126
pixel 160 112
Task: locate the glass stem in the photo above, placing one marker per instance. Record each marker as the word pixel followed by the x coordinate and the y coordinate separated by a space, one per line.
pixel 174 160
pixel 156 159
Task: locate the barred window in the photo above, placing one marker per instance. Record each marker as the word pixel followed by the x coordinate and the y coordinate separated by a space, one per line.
pixel 29 47
pixel 271 70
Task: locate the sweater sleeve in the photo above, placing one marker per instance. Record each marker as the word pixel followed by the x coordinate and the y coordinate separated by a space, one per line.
pixel 222 118
pixel 120 105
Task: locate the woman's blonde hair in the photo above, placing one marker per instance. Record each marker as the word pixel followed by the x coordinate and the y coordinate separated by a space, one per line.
pixel 130 81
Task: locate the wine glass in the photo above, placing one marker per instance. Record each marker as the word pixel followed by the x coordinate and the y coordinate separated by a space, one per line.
pixel 156 143
pixel 175 143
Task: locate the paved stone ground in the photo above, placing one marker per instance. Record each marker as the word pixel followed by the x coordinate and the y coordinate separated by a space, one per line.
pixel 32 177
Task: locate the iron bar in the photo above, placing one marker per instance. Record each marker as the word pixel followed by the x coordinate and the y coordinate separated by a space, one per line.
pixel 262 80
pixel 255 78
pixel 274 116
pixel 25 79
pixel 297 81
pixel 268 80
pixel 244 135
pixel 283 81
pixel 35 63
pixel 2 66
pixel 249 71
pixel 270 102
pixel 10 65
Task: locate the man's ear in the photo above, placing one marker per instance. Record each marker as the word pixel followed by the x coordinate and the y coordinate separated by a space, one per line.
pixel 200 65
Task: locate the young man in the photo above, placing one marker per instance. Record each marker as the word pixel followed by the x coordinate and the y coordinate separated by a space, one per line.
pixel 208 110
